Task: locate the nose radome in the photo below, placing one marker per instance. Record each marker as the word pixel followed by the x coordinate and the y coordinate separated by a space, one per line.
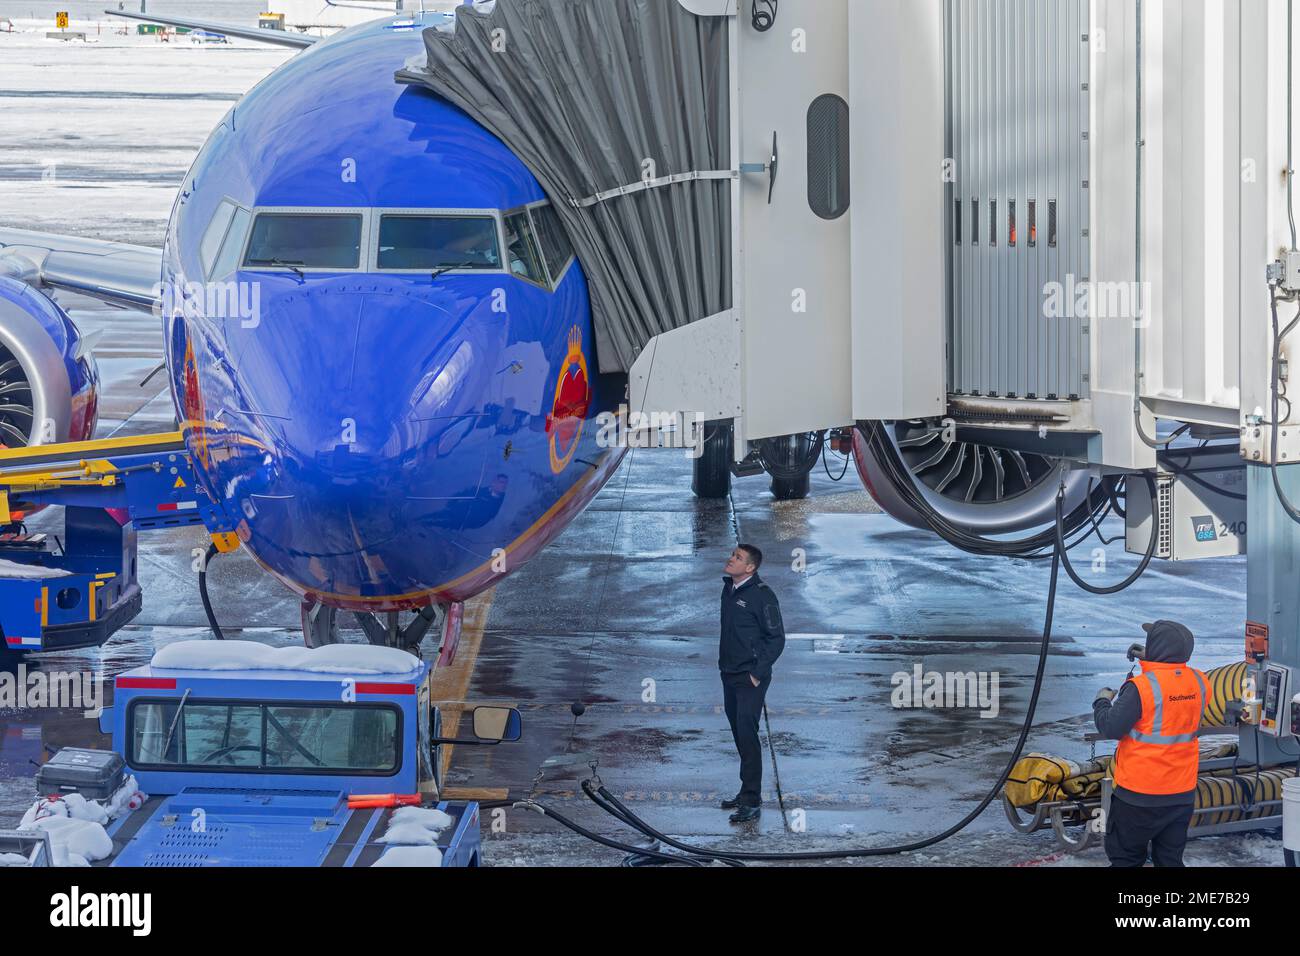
pixel 380 361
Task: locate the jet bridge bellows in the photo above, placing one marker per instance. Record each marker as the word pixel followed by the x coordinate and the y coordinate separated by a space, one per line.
pixel 620 108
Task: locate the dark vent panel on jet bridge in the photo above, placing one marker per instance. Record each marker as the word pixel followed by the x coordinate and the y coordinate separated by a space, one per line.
pixel 1018 123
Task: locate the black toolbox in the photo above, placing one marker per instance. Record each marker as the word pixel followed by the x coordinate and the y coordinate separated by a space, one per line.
pixel 95 774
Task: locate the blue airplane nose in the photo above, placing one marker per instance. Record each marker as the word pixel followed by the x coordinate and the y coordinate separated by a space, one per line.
pixel 372 469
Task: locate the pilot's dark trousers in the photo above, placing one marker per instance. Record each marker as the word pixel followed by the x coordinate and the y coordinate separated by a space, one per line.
pixel 1135 833
pixel 743 703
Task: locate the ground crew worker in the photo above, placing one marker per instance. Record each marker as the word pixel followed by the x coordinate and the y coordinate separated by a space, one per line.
pixel 1155 718
pixel 753 637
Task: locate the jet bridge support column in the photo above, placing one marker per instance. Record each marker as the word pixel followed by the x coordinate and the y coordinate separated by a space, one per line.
pixel 1273 609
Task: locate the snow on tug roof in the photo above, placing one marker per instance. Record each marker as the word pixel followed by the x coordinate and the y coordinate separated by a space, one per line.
pixel 359 660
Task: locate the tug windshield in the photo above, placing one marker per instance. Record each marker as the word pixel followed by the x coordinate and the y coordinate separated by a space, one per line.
pixel 273 738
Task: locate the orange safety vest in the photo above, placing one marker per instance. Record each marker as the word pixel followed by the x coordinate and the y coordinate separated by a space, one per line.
pixel 1161 754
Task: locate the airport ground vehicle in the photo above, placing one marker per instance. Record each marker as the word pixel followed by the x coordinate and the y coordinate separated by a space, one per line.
pixel 249 755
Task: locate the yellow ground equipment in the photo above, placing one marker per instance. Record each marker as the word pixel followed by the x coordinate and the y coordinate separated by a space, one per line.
pixel 1069 796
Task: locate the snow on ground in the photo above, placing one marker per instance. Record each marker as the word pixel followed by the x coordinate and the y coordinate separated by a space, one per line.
pixel 96 137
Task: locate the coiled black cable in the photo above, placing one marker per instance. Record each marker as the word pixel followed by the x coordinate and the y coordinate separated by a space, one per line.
pixel 764 14
pixel 1141 568
pixel 582 831
pixel 1279 335
pixel 771 453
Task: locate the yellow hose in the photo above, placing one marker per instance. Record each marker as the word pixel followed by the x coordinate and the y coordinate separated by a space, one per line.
pixel 1231 791
pixel 1226 684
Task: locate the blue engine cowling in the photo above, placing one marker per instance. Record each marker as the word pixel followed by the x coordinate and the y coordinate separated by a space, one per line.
pixel 49 390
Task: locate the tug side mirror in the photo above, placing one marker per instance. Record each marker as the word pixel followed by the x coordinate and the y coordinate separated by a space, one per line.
pixel 492 725
pixel 498 724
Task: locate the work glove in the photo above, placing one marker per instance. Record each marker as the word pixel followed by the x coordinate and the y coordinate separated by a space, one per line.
pixel 1105 694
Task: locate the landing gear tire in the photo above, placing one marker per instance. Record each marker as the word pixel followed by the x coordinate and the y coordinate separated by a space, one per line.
pixel 712 470
pixel 791 454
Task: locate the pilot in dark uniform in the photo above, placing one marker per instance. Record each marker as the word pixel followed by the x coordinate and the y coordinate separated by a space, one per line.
pixel 753 637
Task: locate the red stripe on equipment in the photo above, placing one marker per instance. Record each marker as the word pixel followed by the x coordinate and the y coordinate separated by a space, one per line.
pixel 145 683
pixel 405 690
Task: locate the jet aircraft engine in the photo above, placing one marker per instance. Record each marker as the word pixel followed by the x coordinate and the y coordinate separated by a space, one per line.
pixel 49 383
pixel 978 488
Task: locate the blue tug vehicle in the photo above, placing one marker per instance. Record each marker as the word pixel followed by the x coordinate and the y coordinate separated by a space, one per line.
pixel 251 760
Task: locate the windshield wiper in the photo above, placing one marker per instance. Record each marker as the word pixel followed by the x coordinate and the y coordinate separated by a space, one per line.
pixel 283 264
pixel 175 720
pixel 443 270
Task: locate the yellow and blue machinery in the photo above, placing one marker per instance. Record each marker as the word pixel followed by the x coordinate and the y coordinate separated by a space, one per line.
pixel 76 589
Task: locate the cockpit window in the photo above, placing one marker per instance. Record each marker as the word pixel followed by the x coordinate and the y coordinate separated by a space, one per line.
pixel 232 246
pixel 554 240
pixel 525 260
pixel 214 235
pixel 438 242
pixel 305 241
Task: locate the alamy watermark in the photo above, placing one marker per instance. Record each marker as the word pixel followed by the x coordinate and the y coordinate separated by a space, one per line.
pixel 627 429
pixel 237 300
pixel 947 691
pixel 42 689
pixel 1085 299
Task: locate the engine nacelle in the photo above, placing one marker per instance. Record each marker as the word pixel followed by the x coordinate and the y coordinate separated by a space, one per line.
pixel 979 488
pixel 49 383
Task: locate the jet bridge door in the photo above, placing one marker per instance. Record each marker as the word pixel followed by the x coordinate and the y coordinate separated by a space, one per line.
pixel 793 244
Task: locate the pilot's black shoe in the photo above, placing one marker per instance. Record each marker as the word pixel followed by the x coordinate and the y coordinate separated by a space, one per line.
pixel 746 814
pixel 731 804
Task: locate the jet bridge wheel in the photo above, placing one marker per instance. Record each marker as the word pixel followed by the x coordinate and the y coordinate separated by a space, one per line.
pixel 712 470
pixel 790 461
pixel 980 488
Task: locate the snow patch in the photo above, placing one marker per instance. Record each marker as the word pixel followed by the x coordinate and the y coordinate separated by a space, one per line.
pixel 251 656
pixel 415 826
pixel 410 856
pixel 426 817
pixel 13 570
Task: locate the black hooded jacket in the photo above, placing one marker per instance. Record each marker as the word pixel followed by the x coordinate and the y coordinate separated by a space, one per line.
pixel 753 634
pixel 1114 719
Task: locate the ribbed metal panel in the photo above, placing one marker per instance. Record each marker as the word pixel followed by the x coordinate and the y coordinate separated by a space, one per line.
pixel 1018 74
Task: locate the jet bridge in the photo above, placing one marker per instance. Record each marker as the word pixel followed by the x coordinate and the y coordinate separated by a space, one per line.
pixel 1049 216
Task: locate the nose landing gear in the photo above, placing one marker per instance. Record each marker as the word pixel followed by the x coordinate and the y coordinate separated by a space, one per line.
pixel 320 626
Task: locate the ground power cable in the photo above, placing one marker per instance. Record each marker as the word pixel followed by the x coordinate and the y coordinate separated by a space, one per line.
pixel 1064 557
pixel 617 809
pixel 203 593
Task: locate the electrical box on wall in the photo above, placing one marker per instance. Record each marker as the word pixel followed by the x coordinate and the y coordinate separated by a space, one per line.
pixel 1275 717
pixel 1201 513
